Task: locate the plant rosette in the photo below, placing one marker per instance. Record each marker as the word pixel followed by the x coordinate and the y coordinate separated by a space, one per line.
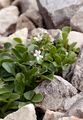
pixel 24 67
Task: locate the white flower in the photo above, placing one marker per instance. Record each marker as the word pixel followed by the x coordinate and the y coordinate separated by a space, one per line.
pixel 38 55
pixel 39 37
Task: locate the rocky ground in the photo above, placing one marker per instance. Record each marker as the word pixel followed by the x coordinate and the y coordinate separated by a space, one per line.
pixel 63 97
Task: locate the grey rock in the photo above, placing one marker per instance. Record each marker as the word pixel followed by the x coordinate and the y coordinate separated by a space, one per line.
pixel 5 3
pixel 70 118
pixel 55 93
pixel 76 37
pixel 24 5
pixel 70 101
pixel 22 34
pixel 50 115
pixel 58 12
pixel 23 22
pixel 55 33
pixel 68 72
pixel 25 113
pixel 8 19
pixel 76 109
pixel 77 79
pixel 76 23
pixel 34 16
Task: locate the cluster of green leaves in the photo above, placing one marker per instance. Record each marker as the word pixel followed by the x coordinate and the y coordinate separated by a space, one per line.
pixel 21 72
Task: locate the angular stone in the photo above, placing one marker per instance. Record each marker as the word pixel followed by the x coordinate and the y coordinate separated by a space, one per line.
pixel 23 22
pixel 50 115
pixel 25 113
pixel 58 12
pixel 55 93
pixel 76 37
pixel 76 23
pixel 22 34
pixel 70 101
pixel 55 33
pixel 34 16
pixel 24 5
pixel 5 3
pixel 77 79
pixel 8 19
pixel 76 109
pixel 70 118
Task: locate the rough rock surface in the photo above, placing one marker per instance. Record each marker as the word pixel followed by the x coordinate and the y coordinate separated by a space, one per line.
pixel 77 79
pixel 76 109
pixel 34 16
pixel 50 115
pixel 55 93
pixel 77 20
pixel 5 3
pixel 57 12
pixel 25 113
pixel 70 101
pixel 23 5
pixel 8 19
pixel 22 34
pixel 23 22
pixel 76 37
pixel 70 118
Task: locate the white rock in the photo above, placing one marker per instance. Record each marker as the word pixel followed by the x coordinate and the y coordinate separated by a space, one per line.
pixel 51 115
pixel 76 37
pixel 22 34
pixel 25 113
pixel 5 3
pixel 76 23
pixel 55 93
pixel 8 17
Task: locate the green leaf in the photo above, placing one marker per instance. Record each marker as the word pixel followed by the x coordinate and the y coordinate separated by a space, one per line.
pixel 9 67
pixel 18 40
pixel 29 95
pixel 21 104
pixel 20 83
pixel 37 98
pixel 4 90
pixel 16 53
pixel 7 45
pixel 66 29
pixel 14 97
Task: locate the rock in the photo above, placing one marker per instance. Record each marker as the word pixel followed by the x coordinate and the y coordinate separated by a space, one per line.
pixel 76 23
pixel 77 79
pixel 70 118
pixel 70 101
pixel 68 73
pixel 23 22
pixel 53 33
pixel 8 19
pixel 55 93
pixel 34 16
pixel 50 115
pixel 22 34
pixel 25 113
pixel 58 12
pixel 5 3
pixel 76 109
pixel 76 37
pixel 24 5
